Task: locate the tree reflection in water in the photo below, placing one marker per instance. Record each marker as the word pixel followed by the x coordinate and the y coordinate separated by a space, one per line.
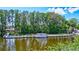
pixel 10 44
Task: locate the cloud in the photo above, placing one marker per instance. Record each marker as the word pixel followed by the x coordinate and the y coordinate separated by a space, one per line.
pixel 65 8
pixel 57 10
pixel 60 11
pixel 71 10
pixel 51 9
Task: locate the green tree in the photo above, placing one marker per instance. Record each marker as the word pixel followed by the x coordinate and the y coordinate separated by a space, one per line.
pixel 2 23
pixel 73 22
pixel 18 21
pixel 77 26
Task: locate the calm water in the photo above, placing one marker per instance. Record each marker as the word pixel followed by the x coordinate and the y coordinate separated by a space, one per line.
pixel 30 44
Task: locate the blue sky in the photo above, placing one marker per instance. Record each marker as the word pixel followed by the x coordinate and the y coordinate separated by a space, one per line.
pixel 67 12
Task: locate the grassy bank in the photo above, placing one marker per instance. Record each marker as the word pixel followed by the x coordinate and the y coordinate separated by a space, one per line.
pixel 71 46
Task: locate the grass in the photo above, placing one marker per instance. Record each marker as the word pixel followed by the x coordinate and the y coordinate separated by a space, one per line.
pixel 71 46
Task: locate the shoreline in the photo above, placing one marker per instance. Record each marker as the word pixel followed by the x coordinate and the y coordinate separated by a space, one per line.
pixel 39 35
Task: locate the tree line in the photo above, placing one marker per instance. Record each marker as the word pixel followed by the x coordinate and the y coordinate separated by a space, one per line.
pixel 37 22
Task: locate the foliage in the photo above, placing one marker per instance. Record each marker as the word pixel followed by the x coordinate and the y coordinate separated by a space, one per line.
pixel 37 22
pixel 2 23
pixel 77 26
pixel 72 46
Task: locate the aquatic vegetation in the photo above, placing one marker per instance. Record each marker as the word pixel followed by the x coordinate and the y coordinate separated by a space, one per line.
pixel 71 46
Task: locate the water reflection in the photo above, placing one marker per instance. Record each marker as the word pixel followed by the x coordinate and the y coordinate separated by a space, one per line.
pixel 30 44
pixel 42 42
pixel 2 44
pixel 10 44
pixel 20 44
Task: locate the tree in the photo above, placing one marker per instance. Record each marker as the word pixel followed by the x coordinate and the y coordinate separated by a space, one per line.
pixel 18 21
pixel 2 23
pixel 57 24
pixel 37 22
pixel 73 22
pixel 77 26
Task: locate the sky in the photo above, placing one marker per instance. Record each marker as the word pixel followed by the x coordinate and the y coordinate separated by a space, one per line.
pixel 67 12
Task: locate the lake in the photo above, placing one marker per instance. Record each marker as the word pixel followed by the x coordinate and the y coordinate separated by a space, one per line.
pixel 31 44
